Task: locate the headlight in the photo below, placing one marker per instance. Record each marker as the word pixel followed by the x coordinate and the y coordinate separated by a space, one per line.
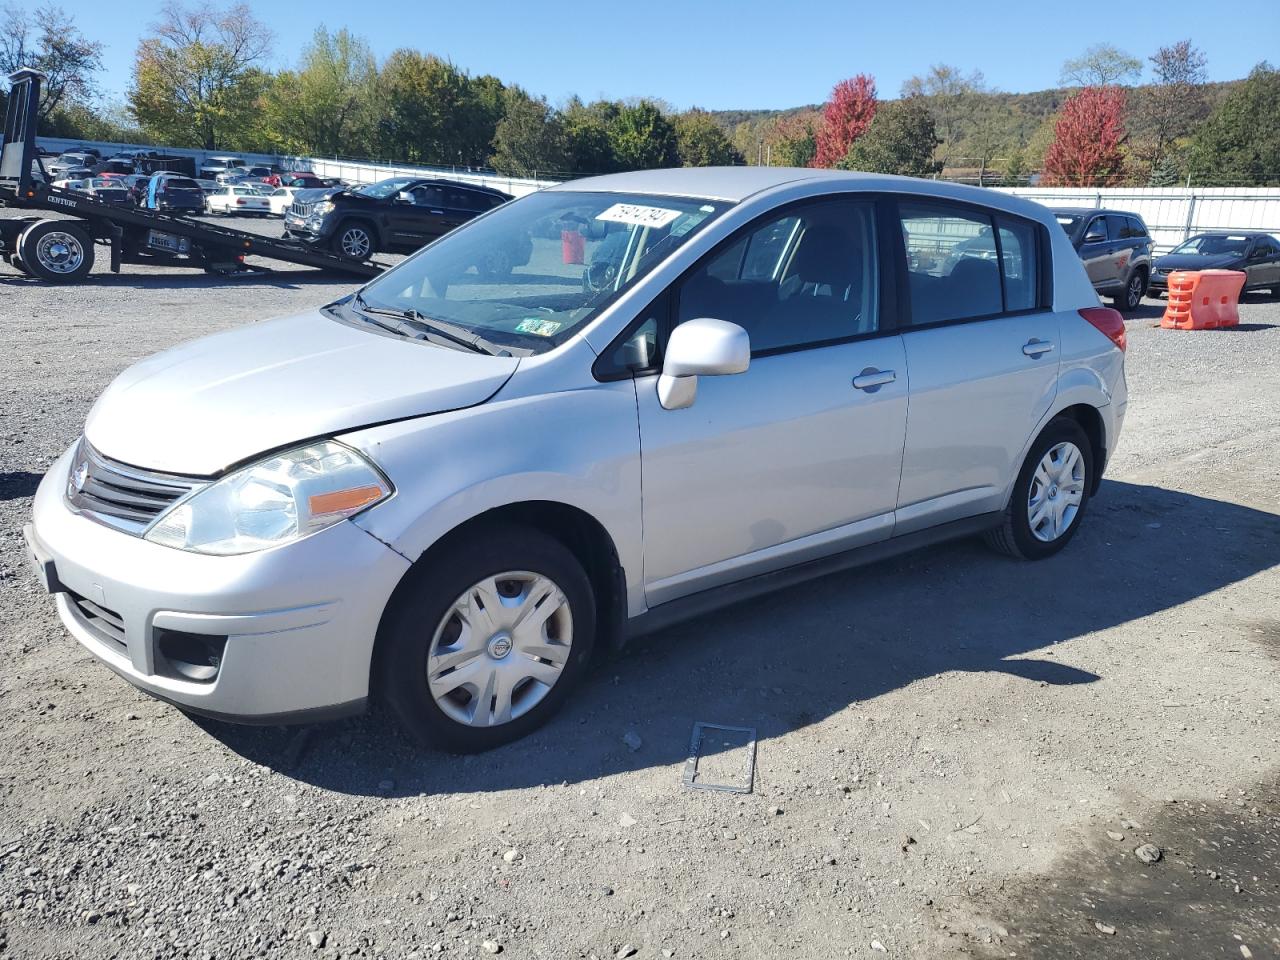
pixel 321 208
pixel 274 501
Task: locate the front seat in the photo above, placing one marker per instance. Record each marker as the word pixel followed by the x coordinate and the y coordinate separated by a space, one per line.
pixel 821 299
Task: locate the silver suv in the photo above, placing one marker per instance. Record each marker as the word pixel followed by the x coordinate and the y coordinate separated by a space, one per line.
pixel 449 488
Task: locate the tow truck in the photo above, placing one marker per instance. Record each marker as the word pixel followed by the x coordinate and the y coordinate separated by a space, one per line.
pixel 61 249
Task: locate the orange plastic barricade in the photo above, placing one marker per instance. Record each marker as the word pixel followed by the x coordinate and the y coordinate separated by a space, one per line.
pixel 1203 299
pixel 573 247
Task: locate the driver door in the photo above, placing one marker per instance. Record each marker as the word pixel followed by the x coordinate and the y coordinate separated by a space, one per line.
pixel 799 456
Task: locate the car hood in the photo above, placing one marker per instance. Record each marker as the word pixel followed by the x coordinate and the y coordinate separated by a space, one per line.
pixel 212 403
pixel 1196 261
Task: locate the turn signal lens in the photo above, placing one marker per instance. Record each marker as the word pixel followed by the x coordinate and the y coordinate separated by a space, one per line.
pixel 1108 322
pixel 344 501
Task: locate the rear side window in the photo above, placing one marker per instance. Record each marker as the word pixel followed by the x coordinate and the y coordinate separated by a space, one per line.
pixel 964 264
pixel 1136 228
pixel 1019 260
pixel 952 269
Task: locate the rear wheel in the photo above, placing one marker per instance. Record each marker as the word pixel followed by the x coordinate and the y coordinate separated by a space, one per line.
pixel 487 639
pixel 1134 290
pixel 1050 495
pixel 56 251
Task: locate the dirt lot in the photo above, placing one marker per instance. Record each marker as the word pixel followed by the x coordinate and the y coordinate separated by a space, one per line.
pixel 958 754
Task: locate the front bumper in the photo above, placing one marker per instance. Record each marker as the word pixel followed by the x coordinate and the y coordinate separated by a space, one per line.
pixel 299 620
pixel 297 228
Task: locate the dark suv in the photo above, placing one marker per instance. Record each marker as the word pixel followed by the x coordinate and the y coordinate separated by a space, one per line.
pixel 396 215
pixel 1116 249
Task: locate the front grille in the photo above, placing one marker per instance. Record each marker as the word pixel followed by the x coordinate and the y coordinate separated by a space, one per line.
pixel 300 209
pixel 124 497
pixel 106 625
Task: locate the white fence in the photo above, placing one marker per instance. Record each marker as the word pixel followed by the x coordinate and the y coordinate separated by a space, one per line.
pixel 1173 213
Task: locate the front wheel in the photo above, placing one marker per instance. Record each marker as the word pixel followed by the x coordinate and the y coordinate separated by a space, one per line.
pixel 353 241
pixel 487 639
pixel 1049 496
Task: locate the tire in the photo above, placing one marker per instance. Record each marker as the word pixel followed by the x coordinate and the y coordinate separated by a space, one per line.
pixel 1015 536
pixel 434 608
pixel 1135 288
pixel 57 251
pixel 354 240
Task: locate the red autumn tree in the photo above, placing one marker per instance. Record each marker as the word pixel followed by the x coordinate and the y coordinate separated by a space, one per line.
pixel 1087 140
pixel 845 118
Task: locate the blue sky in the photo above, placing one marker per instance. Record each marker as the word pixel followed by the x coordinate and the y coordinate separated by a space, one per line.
pixel 745 54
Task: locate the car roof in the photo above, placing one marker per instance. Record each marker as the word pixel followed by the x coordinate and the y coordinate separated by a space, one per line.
pixel 735 184
pixel 1086 211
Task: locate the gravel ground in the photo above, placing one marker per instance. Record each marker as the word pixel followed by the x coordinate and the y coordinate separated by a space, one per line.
pixel 958 754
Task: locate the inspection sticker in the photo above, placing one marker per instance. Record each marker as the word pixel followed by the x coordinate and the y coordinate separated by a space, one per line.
pixel 538 327
pixel 639 215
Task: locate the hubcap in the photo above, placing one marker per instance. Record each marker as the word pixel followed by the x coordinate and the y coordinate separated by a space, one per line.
pixel 355 243
pixel 500 648
pixel 1057 490
pixel 1135 291
pixel 59 252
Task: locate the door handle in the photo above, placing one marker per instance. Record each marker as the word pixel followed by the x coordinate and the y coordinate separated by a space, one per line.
pixel 1034 347
pixel 872 379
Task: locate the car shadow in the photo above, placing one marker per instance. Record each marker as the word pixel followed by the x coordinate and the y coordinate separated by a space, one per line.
pixel 15 486
pixel 797 657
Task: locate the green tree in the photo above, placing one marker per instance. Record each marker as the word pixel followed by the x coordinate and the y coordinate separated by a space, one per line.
pixel 586 130
pixel 1015 169
pixel 195 80
pixel 327 105
pixel 1101 65
pixel 953 98
pixel 642 137
pixel 901 139
pixel 700 142
pixel 47 39
pixel 1174 104
pixel 1240 141
pixel 794 140
pixel 529 138
pixel 434 112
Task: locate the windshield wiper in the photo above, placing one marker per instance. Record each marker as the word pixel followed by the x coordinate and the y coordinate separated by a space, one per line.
pixel 414 324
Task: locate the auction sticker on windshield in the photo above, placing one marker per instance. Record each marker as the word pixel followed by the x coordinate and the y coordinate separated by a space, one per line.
pixel 638 215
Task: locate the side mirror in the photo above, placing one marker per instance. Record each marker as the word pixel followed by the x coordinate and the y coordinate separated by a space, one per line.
pixel 1095 236
pixel 404 196
pixel 700 348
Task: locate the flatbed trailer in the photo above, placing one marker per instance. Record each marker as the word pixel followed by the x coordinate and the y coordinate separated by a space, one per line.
pixel 62 249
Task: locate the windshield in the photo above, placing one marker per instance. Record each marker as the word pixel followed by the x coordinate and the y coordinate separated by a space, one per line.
pixel 1211 246
pixel 380 190
pixel 1068 222
pixel 532 272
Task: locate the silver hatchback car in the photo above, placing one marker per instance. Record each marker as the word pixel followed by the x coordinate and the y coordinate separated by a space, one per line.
pixel 450 487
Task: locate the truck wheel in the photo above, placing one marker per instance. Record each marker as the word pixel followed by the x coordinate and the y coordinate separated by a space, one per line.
pixel 56 251
pixel 353 240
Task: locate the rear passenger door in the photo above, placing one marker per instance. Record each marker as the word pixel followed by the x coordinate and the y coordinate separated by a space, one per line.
pixel 982 350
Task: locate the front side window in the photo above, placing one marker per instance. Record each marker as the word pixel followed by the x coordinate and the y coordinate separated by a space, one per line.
pixel 531 273
pixel 953 272
pixel 806 278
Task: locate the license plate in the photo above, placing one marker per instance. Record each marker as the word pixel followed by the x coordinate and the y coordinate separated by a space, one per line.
pixel 167 241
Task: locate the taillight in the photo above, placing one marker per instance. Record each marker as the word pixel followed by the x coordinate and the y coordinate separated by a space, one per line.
pixel 1108 322
pixel 240 202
